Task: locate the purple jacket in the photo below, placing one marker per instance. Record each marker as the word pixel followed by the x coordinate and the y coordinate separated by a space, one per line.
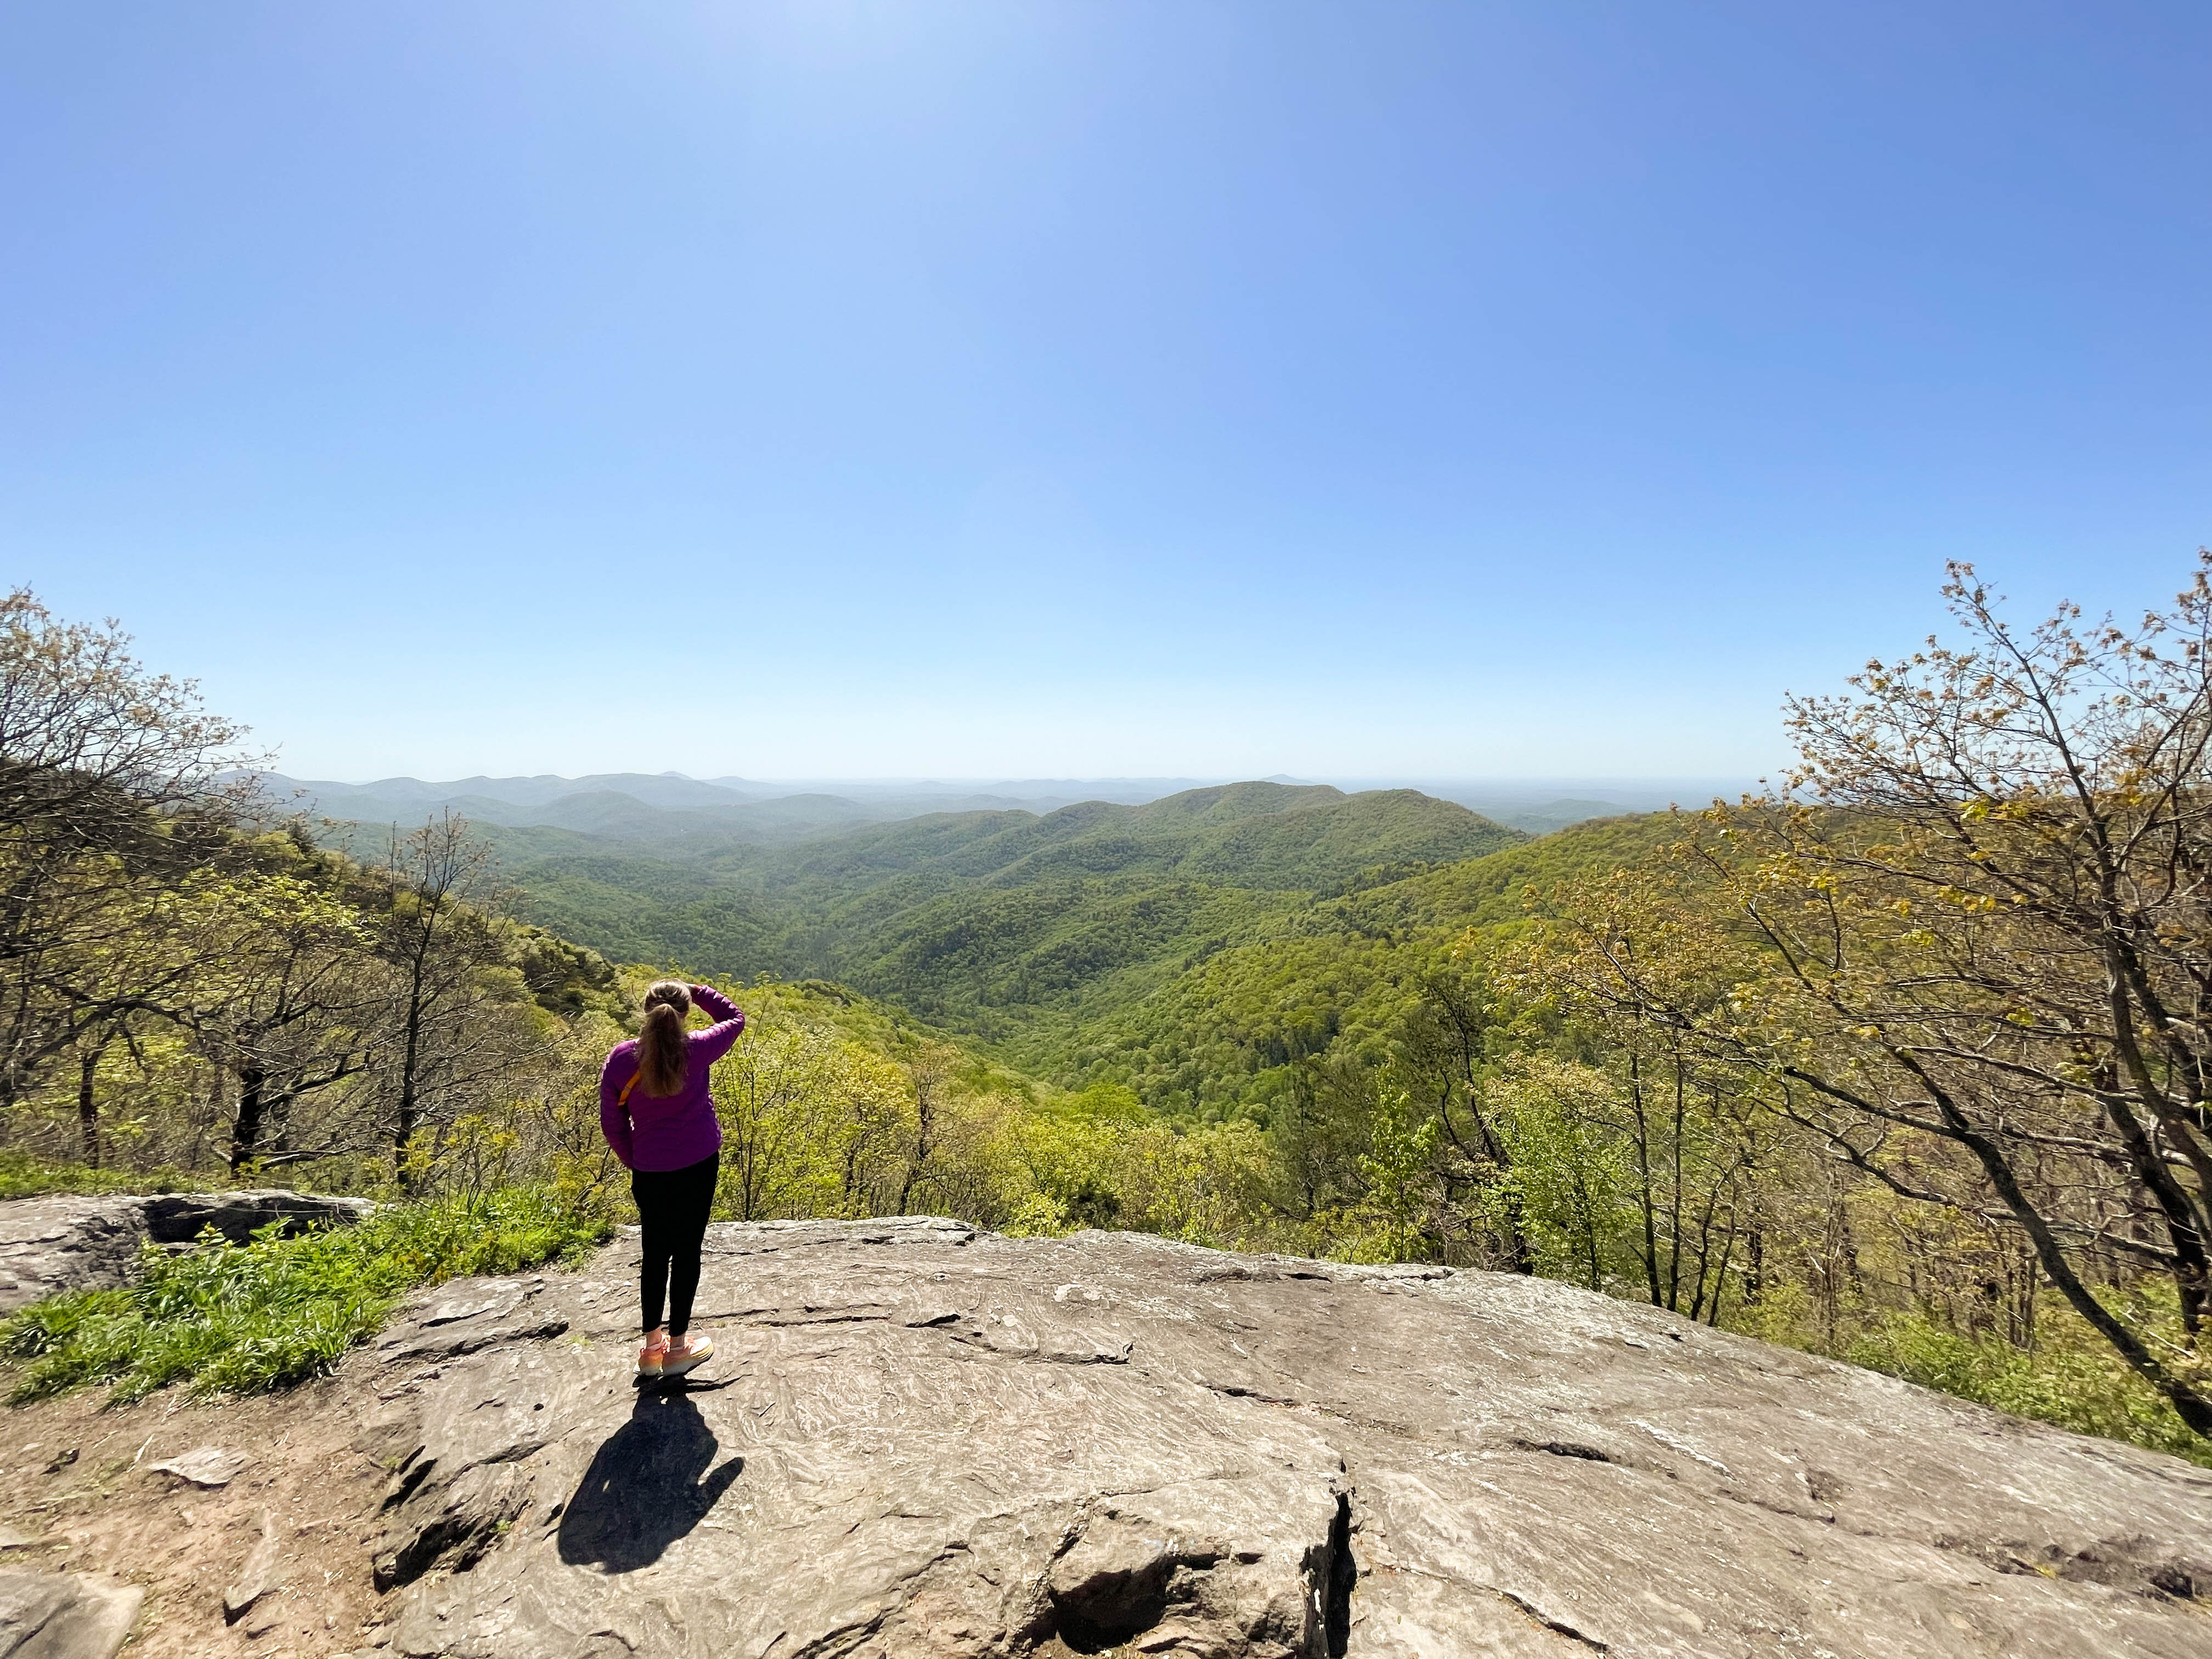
pixel 669 1132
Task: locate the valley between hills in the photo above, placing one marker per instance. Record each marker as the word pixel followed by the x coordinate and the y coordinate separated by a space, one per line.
pixel 1192 946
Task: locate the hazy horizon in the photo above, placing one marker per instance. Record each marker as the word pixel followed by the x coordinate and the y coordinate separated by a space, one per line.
pixel 952 781
pixel 1502 795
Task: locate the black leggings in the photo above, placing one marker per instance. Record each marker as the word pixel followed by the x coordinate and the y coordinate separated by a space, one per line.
pixel 672 1206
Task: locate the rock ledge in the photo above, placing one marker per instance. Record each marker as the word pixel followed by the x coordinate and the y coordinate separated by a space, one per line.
pixel 918 1439
pixel 71 1243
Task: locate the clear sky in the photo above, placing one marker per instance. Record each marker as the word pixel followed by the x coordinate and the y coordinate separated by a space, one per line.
pixel 1088 386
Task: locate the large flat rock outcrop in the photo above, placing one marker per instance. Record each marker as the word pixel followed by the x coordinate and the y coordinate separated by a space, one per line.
pixel 72 1243
pixel 918 1439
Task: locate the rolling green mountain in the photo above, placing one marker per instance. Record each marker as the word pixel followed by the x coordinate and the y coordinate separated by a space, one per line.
pixel 669 807
pixel 614 815
pixel 1246 834
pixel 992 922
pixel 1192 948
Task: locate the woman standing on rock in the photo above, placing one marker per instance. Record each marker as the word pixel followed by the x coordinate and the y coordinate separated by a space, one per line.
pixel 658 1117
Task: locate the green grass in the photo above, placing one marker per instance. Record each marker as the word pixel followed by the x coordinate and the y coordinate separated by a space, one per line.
pixel 2073 1379
pixel 22 1175
pixel 273 1312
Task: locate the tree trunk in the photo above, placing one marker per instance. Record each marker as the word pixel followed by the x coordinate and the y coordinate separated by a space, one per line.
pixel 246 1128
pixel 924 1112
pixel 1675 1203
pixel 1643 1181
pixel 87 1107
pixel 1720 1282
pixel 402 1133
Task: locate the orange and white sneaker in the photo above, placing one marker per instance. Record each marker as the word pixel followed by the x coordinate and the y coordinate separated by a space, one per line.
pixel 652 1358
pixel 686 1353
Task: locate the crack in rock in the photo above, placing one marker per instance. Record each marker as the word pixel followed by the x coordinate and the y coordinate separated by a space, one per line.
pixel 1559 1627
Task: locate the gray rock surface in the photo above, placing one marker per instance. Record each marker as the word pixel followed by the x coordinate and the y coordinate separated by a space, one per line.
pixel 257 1576
pixel 205 1466
pixel 71 1243
pixel 921 1440
pixel 63 1615
pixel 61 1244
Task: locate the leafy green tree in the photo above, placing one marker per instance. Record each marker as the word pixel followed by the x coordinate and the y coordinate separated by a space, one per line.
pixel 1573 1183
pixel 1448 1043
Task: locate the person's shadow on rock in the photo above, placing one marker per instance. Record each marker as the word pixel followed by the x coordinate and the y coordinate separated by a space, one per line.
pixel 647 1486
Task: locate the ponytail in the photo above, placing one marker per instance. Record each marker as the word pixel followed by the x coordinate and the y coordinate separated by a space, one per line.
pixel 661 1049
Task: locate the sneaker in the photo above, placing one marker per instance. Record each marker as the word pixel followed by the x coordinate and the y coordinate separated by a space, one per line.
pixel 686 1353
pixel 654 1356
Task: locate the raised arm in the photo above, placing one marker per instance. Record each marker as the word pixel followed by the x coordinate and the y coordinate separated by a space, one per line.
pixel 614 1116
pixel 711 1044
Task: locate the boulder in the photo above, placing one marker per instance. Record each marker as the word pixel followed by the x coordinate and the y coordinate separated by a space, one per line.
pixel 73 1243
pixel 64 1615
pixel 180 1217
pixel 917 1439
pixel 66 1243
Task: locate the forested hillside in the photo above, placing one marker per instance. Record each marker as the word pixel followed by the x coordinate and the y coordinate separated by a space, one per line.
pixel 1195 949
pixel 1229 1028
pixel 1006 925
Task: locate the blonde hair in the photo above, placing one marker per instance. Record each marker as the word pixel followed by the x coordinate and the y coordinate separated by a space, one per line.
pixel 661 1049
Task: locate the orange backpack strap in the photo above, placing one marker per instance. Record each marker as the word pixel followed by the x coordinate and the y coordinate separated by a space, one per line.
pixel 622 1099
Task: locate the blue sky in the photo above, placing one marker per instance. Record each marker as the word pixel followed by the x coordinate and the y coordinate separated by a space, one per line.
pixel 1070 389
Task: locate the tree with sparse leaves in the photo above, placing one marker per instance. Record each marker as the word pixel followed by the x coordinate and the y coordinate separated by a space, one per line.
pixel 111 788
pixel 1974 938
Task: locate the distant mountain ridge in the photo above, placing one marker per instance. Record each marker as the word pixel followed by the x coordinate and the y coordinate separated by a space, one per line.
pixel 625 806
pixel 551 801
pixel 1257 835
pixel 663 789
